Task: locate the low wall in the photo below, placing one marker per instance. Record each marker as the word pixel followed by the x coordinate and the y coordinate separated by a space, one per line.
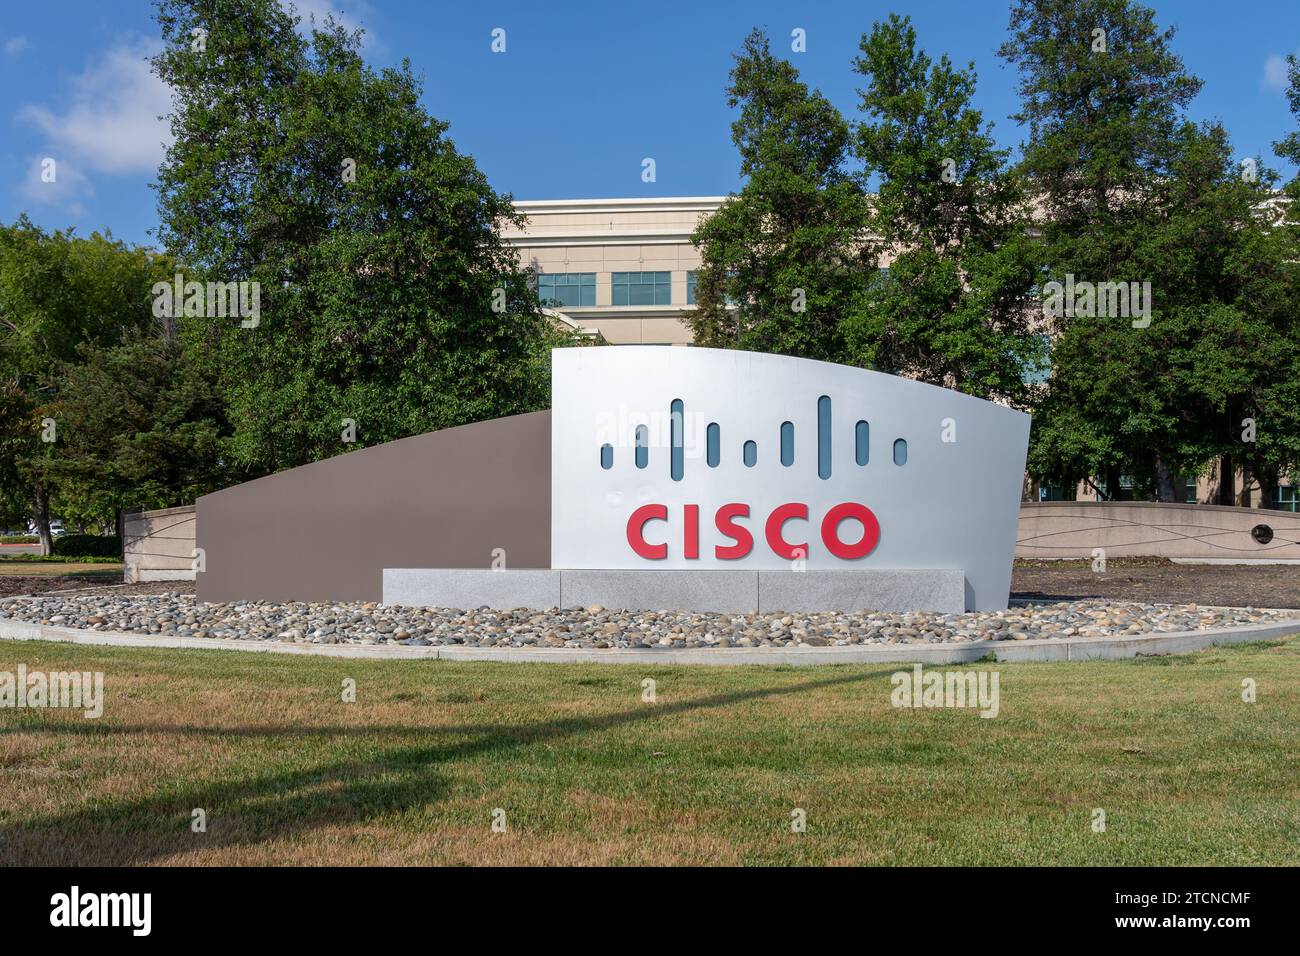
pixel 458 498
pixel 159 545
pixel 1072 529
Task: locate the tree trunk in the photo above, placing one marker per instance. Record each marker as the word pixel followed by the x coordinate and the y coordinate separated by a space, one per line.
pixel 1113 490
pixel 1226 475
pixel 1268 488
pixel 41 513
pixel 1246 479
pixel 1164 481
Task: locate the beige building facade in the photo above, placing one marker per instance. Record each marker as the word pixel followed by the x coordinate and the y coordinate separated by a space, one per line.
pixel 621 267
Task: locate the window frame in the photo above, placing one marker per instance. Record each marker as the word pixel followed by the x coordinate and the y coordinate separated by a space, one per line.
pixel 627 285
pixel 582 285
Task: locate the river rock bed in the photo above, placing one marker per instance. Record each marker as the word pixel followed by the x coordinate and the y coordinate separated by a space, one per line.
pixel 181 615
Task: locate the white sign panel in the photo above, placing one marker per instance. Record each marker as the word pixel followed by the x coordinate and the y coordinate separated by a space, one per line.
pixel 669 457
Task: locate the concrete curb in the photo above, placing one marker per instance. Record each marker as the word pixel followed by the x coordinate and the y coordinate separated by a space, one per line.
pixel 1047 649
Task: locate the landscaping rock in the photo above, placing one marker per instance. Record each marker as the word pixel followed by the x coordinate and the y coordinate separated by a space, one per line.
pixel 607 628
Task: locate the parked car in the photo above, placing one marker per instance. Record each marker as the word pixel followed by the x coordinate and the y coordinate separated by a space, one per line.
pixel 56 529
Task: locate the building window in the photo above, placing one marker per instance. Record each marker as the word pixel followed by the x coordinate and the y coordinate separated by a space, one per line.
pixel 691 279
pixel 1038 369
pixel 1123 493
pixel 1189 491
pixel 567 289
pixel 1050 492
pixel 642 288
pixel 1288 497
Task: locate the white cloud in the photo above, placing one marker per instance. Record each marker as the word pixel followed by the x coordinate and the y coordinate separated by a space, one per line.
pixel 1275 78
pixel 111 121
pixel 60 185
pixel 16 45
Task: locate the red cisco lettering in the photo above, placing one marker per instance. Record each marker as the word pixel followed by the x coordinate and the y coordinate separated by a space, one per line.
pixel 737 533
pixel 691 539
pixel 776 521
pixel 742 540
pixel 831 531
pixel 635 531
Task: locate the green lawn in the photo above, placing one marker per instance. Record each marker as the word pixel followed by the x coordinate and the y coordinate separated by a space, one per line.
pixel 1186 772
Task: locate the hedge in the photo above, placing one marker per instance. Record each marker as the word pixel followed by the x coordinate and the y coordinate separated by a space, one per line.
pixel 19 539
pixel 88 545
pixel 54 559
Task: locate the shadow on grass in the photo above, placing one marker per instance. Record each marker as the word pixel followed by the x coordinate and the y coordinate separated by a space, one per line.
pixel 284 805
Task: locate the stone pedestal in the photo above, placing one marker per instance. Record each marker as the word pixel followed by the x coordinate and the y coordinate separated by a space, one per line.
pixel 734 592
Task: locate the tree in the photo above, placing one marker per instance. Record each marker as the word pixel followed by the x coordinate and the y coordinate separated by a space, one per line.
pixel 57 291
pixel 784 259
pixel 1289 146
pixel 952 309
pixel 15 495
pixel 1166 399
pixel 374 243
pixel 1132 192
pixel 142 425
pixel 1278 445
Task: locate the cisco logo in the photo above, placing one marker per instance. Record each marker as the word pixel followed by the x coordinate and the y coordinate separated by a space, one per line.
pixel 742 460
pixel 731 519
pixel 677 445
pixel 728 521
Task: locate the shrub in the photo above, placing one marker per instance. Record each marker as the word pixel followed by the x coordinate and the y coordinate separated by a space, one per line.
pixel 88 545
pixel 18 539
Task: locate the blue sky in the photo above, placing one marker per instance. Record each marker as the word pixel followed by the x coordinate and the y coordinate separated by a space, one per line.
pixel 584 91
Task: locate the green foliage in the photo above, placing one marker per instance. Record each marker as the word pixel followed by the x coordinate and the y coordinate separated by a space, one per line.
pixel 57 292
pixel 141 425
pixel 952 309
pixel 377 292
pixel 1099 122
pixel 88 546
pixel 1289 146
pixel 60 559
pixel 1115 184
pixel 798 223
pixel 790 263
pixel 1131 191
pixel 18 539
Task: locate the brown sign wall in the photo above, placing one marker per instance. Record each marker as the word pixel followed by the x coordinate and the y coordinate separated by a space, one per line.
pixel 326 531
